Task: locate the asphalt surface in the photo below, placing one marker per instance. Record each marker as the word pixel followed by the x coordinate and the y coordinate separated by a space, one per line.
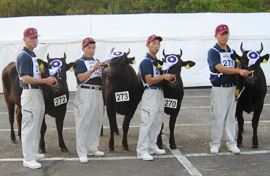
pixel 192 135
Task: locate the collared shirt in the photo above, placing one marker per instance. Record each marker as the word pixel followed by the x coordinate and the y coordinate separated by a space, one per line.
pixel 213 60
pixel 25 65
pixel 146 68
pixel 81 68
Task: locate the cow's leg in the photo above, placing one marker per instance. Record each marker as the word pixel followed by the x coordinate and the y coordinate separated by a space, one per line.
pixel 159 138
pixel 43 129
pixel 125 127
pixel 59 125
pixel 19 120
pixel 11 120
pixel 255 123
pixel 112 119
pixel 240 120
pixel 171 126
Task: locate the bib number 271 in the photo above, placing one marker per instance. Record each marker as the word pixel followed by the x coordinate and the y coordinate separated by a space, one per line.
pixel 121 96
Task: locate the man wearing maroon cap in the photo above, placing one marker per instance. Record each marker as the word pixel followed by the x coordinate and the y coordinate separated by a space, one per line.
pixel 88 102
pixel 223 104
pixel 32 102
pixel 152 102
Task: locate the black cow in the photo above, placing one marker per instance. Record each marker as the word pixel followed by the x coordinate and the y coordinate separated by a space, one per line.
pixel 55 97
pixel 121 93
pixel 173 92
pixel 251 91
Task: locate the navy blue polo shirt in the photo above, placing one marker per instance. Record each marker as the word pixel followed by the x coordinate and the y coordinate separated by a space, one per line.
pixel 81 68
pixel 213 60
pixel 146 68
pixel 25 65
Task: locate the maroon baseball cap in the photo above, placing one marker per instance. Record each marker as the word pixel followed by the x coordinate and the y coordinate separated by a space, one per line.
pixel 30 32
pixel 222 28
pixel 153 37
pixel 87 40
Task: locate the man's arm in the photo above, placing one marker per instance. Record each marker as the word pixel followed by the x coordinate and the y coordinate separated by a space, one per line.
pixel 153 80
pixel 231 71
pixel 26 79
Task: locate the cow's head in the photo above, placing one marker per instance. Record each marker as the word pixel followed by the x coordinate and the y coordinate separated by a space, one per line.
pixel 251 61
pixel 117 62
pixel 56 67
pixel 172 64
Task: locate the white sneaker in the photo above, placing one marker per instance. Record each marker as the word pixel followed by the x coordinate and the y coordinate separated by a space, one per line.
pixel 145 157
pixel 214 150
pixel 96 153
pixel 39 156
pixel 234 150
pixel 31 164
pixel 157 151
pixel 83 159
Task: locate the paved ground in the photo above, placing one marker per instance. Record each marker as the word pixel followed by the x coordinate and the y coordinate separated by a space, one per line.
pixel 192 157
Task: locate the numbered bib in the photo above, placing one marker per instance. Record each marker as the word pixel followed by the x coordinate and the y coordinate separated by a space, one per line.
pixel 226 60
pixel 121 96
pixel 60 100
pixel 171 103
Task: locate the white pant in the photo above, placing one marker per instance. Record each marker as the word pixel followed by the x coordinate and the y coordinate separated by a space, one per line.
pixel 151 120
pixel 223 107
pixel 88 111
pixel 33 110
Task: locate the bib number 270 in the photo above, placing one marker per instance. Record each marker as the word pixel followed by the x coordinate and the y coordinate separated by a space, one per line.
pixel 121 96
pixel 170 103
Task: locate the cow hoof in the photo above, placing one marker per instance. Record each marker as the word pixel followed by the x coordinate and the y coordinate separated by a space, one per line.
pixel 255 146
pixel 160 146
pixel 14 141
pixel 64 149
pixel 117 133
pixel 239 145
pixel 173 146
pixel 126 148
pixel 42 150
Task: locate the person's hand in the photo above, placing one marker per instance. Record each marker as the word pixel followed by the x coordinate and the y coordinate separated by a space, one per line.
pixel 50 80
pixel 169 77
pixel 245 73
pixel 97 65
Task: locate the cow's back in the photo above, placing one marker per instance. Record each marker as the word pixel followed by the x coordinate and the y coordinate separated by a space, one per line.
pixel 11 86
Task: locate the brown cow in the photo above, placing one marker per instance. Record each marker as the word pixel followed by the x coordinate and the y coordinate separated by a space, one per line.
pixel 53 96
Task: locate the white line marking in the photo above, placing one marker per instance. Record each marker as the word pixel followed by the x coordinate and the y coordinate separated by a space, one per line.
pixel 134 157
pixel 182 159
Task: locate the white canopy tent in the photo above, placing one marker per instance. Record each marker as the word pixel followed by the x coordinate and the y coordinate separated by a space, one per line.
pixel 193 33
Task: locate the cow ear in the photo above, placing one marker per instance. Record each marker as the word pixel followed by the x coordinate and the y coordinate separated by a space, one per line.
pixel 42 64
pixel 265 58
pixel 188 64
pixel 157 63
pixel 235 57
pixel 71 66
pixel 131 60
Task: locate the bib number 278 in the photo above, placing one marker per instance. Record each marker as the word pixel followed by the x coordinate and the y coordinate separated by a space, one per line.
pixel 121 96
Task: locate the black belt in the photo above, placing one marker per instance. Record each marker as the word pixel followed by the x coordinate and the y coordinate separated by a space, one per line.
pixel 157 88
pixel 91 87
pixel 225 85
pixel 31 88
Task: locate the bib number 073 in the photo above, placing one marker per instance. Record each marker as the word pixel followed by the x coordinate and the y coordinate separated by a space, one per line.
pixel 171 103
pixel 121 96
